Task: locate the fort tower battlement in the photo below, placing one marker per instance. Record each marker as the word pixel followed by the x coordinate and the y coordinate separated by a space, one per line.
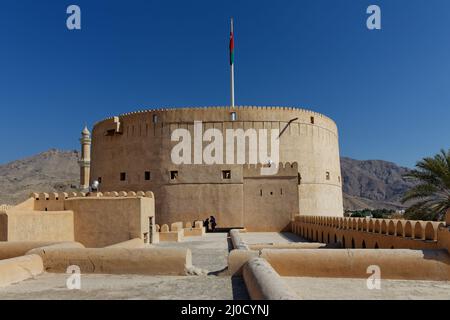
pixel 132 152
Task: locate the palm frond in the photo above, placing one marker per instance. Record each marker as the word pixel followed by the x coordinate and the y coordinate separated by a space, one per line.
pixel 432 193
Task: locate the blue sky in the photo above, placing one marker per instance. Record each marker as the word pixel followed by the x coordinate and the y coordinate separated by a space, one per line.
pixel 388 90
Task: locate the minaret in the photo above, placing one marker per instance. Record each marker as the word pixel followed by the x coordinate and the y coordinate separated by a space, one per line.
pixel 85 159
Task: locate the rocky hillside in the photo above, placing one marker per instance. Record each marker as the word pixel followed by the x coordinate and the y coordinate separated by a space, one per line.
pixel 49 171
pixel 373 184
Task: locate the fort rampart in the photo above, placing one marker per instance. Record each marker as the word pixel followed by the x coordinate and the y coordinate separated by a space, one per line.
pixel 133 152
pixel 370 233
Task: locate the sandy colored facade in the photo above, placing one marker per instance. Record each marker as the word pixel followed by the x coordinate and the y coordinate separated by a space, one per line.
pixel 95 221
pixel 133 152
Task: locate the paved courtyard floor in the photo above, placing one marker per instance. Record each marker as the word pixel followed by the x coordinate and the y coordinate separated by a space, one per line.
pixel 209 252
pixel 309 288
pixel 107 287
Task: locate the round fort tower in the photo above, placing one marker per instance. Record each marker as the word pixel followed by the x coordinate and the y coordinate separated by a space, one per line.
pixel 132 152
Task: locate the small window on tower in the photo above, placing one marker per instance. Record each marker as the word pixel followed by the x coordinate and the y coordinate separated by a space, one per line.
pixel 123 176
pixel 312 120
pixel 147 175
pixel 155 118
pixel 173 175
pixel 226 174
pixel 328 175
pixel 233 116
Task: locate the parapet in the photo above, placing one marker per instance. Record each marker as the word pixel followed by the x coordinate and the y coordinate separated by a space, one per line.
pixel 401 264
pixel 128 194
pixel 5 207
pixel 146 261
pixel 178 231
pixel 175 234
pixel 285 169
pixel 423 230
pixel 55 195
pixel 65 195
pixel 403 233
pixel 114 122
pixel 55 201
pixel 264 283
pixel 20 268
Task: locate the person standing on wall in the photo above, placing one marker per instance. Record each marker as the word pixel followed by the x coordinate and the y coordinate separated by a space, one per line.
pixel 213 223
pixel 206 224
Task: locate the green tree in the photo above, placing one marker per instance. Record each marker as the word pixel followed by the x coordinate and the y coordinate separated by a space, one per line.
pixel 431 195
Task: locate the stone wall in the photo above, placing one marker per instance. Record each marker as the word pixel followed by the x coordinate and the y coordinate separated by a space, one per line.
pixel 270 202
pixel 24 223
pixel 140 142
pixel 100 222
pixel 369 233
pixel 97 220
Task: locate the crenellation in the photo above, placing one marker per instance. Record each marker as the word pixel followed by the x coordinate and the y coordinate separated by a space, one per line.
pixel 243 108
pixel 5 207
pixel 310 153
pixel 44 196
pixel 53 196
pixel 149 194
pixel 411 234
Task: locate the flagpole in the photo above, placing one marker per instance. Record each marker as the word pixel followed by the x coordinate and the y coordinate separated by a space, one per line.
pixel 232 71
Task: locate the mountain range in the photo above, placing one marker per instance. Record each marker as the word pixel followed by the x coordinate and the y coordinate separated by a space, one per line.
pixel 373 184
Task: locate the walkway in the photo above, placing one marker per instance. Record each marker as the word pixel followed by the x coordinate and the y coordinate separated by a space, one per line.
pixel 209 252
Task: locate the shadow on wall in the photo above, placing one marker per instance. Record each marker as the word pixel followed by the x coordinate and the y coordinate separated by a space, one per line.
pixel 435 255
